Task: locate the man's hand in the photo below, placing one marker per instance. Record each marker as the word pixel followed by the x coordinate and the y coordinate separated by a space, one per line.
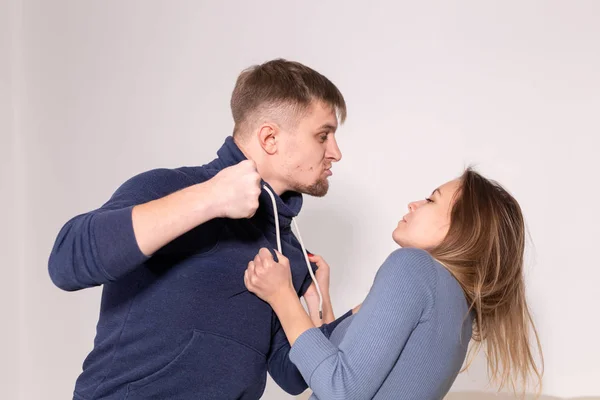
pixel 236 190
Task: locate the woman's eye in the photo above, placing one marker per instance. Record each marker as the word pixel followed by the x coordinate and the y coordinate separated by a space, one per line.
pixel 429 200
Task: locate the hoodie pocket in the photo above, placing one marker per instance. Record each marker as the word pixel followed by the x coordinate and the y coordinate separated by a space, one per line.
pixel 209 367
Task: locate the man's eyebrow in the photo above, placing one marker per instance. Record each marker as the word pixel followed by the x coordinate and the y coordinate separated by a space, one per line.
pixel 328 127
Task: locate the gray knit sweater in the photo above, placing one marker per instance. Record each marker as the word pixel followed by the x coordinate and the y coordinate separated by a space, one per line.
pixel 408 341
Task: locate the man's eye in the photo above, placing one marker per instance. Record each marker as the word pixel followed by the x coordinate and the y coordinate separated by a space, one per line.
pixel 324 137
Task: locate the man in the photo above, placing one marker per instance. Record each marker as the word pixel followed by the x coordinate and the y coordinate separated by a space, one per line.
pixel 171 248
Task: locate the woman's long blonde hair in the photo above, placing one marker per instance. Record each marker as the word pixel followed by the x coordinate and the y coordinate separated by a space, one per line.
pixel 484 251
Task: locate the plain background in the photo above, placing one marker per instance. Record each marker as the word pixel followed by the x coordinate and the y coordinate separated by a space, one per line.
pixel 93 92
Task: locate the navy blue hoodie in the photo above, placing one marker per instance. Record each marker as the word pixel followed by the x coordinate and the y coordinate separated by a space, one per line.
pixel 180 324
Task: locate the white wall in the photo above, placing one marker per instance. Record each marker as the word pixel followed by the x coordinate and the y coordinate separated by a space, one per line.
pixel 9 187
pixel 113 88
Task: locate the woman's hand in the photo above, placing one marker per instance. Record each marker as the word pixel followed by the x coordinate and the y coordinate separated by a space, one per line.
pixel 322 276
pixel 269 279
pixel 311 296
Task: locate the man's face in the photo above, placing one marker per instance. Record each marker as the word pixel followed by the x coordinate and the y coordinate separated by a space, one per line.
pixel 309 149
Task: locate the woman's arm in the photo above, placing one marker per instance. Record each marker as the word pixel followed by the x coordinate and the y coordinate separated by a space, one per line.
pixel 399 300
pixel 311 297
pixel 401 297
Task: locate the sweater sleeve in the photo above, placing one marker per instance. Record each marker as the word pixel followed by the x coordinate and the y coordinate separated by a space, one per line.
pixel 401 297
pixel 100 246
pixel 280 367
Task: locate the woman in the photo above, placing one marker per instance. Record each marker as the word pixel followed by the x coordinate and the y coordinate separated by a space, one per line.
pixel 458 276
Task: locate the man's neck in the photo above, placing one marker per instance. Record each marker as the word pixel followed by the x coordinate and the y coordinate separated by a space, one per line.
pixel 263 169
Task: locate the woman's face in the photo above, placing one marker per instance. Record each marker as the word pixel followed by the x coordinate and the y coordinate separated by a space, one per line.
pixel 427 221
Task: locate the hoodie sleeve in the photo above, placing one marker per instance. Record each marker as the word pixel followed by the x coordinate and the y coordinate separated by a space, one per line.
pixel 307 281
pixel 281 368
pixel 100 246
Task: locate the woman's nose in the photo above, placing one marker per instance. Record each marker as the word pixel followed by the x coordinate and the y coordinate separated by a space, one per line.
pixel 413 206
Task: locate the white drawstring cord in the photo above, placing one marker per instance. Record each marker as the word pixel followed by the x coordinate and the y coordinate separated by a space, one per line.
pixel 276 218
pixel 310 271
pixel 278 235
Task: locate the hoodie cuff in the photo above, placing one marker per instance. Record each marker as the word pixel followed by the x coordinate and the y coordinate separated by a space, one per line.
pixel 307 281
pixel 327 329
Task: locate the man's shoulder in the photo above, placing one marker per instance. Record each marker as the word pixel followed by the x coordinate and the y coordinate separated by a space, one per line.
pixel 162 181
pixel 186 174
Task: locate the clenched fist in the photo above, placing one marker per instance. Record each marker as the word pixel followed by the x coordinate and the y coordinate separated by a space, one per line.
pixel 237 189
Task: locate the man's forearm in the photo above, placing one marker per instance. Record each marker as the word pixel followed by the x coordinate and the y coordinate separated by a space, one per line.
pixel 160 221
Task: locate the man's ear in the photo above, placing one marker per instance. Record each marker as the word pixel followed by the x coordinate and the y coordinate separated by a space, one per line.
pixel 268 134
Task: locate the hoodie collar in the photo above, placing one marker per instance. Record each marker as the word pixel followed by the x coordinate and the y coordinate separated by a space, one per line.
pixel 289 203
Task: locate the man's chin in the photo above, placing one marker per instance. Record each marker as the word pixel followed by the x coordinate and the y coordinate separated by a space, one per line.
pixel 318 189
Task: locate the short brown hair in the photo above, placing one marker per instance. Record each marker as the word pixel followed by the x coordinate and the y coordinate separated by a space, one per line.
pixel 282 84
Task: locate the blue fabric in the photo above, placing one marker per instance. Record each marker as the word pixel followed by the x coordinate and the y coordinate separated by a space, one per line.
pixel 408 340
pixel 181 324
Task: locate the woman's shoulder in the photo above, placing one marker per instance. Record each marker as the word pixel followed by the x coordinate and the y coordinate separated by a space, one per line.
pixel 411 255
pixel 415 264
pixel 408 267
pixel 408 261
pixel 408 276
pixel 414 275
